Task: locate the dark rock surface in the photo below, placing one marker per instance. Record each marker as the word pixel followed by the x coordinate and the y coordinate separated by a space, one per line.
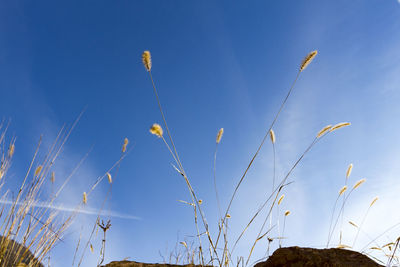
pixel 311 257
pixel 13 253
pixel 290 257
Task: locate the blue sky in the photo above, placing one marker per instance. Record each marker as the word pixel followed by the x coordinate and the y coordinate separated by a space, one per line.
pixel 216 64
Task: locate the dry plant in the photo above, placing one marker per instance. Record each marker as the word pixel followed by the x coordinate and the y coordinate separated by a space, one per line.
pixel 29 229
pixel 222 254
pixel 223 258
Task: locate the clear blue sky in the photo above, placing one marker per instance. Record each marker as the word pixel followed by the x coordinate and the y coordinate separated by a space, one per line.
pixel 216 64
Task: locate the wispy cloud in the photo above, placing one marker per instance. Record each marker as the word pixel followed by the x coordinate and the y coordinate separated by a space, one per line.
pixel 87 211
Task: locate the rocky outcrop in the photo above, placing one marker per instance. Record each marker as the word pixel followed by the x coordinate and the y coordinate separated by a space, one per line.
pixel 13 252
pixel 311 257
pixel 290 257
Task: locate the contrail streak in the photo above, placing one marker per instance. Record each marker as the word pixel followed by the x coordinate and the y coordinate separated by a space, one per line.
pixel 88 211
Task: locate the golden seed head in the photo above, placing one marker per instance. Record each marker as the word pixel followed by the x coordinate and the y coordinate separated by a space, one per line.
pixel 344 188
pixel 200 201
pixel 374 200
pixel 349 169
pixel 307 60
pixel 228 216
pixel 388 244
pixel 126 141
pixel 84 198
pixel 376 248
pixel 53 177
pixel 287 212
pixel 360 182
pixel 324 130
pixel 38 169
pixel 11 150
pixel 219 135
pixel 91 248
pixel 156 130
pixel 352 223
pixel 183 243
pixel 339 125
pixel 272 136
pixel 146 58
pixel 109 178
pixel 281 198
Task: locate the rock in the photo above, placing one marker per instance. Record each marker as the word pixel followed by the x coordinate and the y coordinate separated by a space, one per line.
pixel 13 252
pixel 312 257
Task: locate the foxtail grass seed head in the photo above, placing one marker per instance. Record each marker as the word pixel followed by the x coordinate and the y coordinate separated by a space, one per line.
pixel 352 223
pixel 200 201
pixel 340 125
pixel 307 60
pixel 376 248
pixel 281 198
pixel 360 182
pixel 349 169
pixel 84 198
pixel 126 141
pixel 91 248
pixel 228 216
pixel 38 169
pixel 287 213
pixel 109 178
pixel 343 246
pixel 324 130
pixel 219 135
pixel 183 243
pixel 52 177
pixel 272 136
pixel 156 130
pixel 11 150
pixel 373 201
pixel 344 188
pixel 146 59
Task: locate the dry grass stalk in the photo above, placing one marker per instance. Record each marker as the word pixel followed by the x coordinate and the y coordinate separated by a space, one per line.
pixel 340 125
pixel 219 135
pixel 126 141
pixel 373 201
pixel 307 60
pixel 11 150
pixel 358 183
pixel 349 169
pixel 84 198
pixel 272 136
pixel 156 130
pixel 352 223
pixel 281 198
pixel 324 130
pixel 146 59
pixel 344 188
pixel 38 169
pixel 52 177
pixel 109 178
